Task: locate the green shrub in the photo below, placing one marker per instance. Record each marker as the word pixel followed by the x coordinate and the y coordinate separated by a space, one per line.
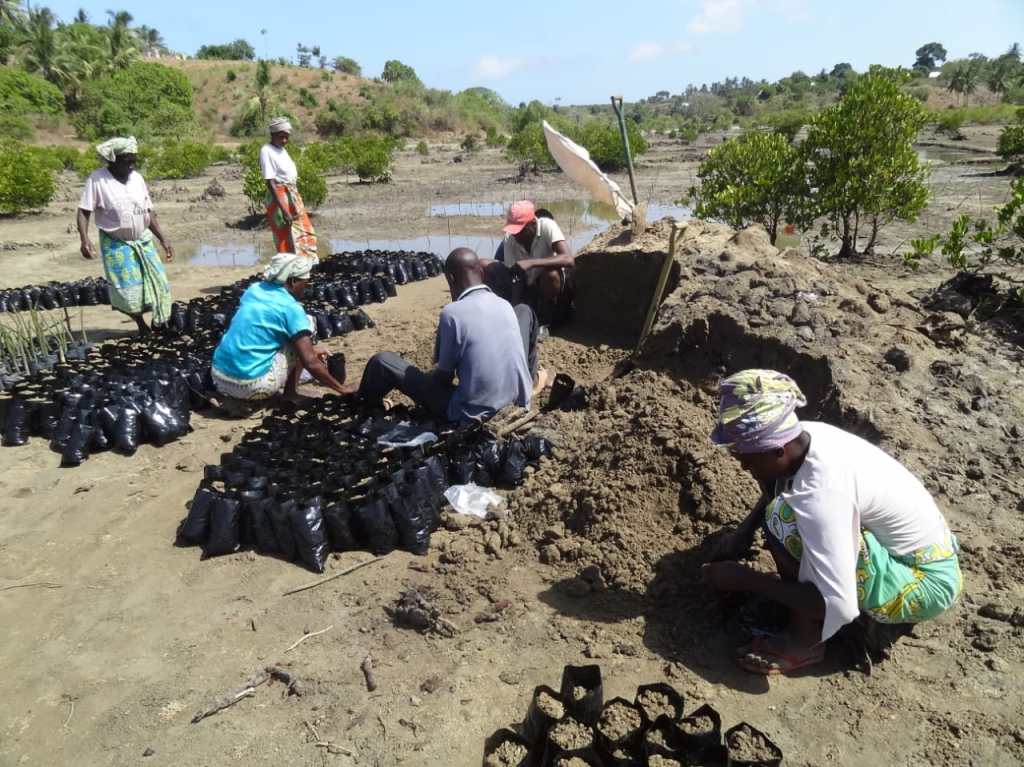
pixel 787 122
pixel 337 119
pixel 979 114
pixel 470 144
pixel 494 139
pixel 27 179
pixel 757 178
pixel 254 188
pixel 1011 143
pixel 312 184
pixel 950 123
pixel 86 163
pixel 862 162
pixel 347 66
pixel 22 93
pixel 240 50
pixel 604 142
pixel 145 99
pixel 180 159
pixel 231 75
pixel 422 149
pixel 528 146
pixel 253 119
pixel 16 126
pixel 396 71
pixel 920 93
pixel 307 99
pixel 68 156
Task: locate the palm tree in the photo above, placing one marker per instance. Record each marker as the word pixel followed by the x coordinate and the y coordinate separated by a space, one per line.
pixel 12 25
pixel 121 40
pixel 151 39
pixel 40 42
pixel 81 17
pixel 964 80
pixel 120 19
pixel 11 13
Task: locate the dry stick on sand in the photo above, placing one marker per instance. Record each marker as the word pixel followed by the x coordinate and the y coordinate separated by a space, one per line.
pixel 307 636
pixel 247 690
pixel 333 577
pixel 40 584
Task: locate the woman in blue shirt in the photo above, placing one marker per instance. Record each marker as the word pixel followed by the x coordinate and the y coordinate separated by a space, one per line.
pixel 270 341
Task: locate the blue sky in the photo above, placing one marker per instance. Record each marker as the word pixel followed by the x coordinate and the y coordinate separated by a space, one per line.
pixel 580 51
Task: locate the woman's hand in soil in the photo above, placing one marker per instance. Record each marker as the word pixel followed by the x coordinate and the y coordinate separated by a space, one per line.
pixel 732 546
pixel 727 576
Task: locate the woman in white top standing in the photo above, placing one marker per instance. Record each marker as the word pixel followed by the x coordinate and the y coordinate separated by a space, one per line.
pixel 126 222
pixel 853 533
pixel 286 213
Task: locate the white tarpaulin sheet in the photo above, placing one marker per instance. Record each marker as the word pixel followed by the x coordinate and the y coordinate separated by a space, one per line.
pixel 575 162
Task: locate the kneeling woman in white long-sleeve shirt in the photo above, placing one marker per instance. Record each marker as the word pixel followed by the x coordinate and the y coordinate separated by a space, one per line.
pixel 850 528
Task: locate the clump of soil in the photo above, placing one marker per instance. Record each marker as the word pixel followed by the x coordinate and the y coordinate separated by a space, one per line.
pixel 619 721
pixel 579 693
pixel 656 737
pixel 508 754
pixel 655 704
pixel 663 761
pixel 747 745
pixel 697 725
pixel 415 609
pixel 570 735
pixel 550 706
pixel 572 761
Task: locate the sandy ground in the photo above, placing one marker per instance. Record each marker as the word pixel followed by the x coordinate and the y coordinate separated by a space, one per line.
pixel 114 638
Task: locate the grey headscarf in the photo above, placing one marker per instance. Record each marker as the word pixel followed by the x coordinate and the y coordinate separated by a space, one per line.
pixel 115 147
pixel 280 125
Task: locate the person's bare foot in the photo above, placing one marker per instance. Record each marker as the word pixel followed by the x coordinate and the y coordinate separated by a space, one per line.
pixel 779 654
pixel 540 381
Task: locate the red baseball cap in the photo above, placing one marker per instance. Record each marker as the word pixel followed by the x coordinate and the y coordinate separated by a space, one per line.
pixel 519 215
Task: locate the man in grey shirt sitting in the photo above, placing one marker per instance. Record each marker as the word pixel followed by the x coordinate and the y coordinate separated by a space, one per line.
pixel 480 339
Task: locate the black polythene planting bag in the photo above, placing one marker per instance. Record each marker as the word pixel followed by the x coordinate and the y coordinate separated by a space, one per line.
pixel 307 524
pixel 196 527
pixel 225 519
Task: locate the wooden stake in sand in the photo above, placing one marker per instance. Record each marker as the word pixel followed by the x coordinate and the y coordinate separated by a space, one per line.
pixel 352 569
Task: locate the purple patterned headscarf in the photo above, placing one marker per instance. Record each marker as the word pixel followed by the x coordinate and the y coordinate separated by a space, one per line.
pixel 756 411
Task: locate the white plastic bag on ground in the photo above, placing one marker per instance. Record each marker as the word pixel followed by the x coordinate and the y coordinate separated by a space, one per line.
pixel 472 499
pixel 575 162
pixel 406 435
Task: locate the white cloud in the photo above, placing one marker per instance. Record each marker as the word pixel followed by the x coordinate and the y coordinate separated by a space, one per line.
pixel 646 51
pixel 650 51
pixel 718 16
pixel 496 67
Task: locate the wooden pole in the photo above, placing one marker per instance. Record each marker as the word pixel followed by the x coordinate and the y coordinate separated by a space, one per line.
pixel 617 106
pixel 666 267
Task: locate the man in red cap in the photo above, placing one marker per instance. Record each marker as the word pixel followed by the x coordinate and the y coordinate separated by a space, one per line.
pixel 536 247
